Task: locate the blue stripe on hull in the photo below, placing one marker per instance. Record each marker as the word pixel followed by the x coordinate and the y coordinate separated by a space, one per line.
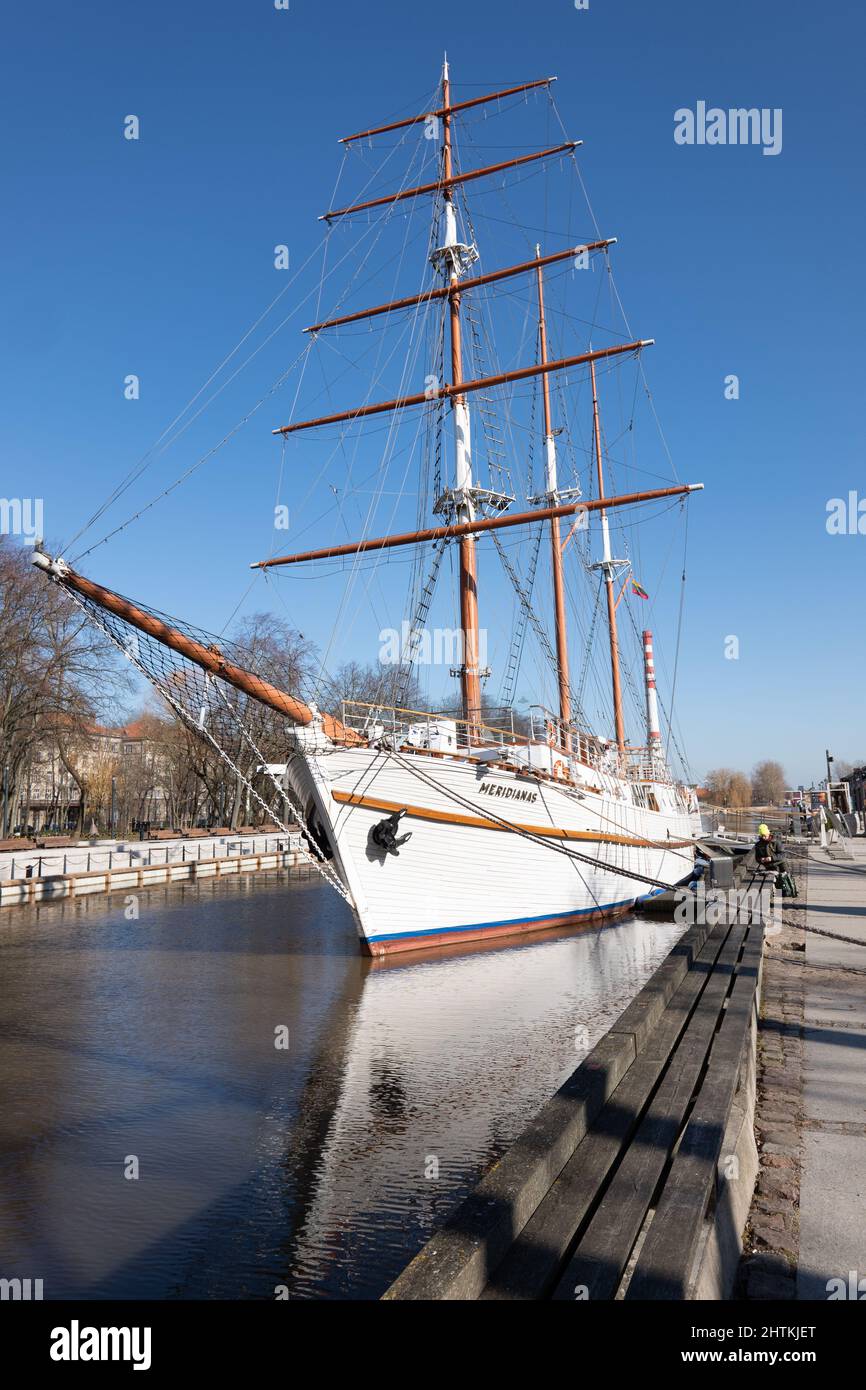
pixel 507 922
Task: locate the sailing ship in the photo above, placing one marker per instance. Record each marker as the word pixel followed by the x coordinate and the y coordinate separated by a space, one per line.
pixel 439 828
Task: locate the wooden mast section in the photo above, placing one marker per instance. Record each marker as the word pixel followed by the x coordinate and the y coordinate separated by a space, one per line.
pixel 553 497
pixel 447 109
pixel 441 291
pixel 608 568
pixel 470 676
pixel 449 182
pixel 493 523
pixel 500 379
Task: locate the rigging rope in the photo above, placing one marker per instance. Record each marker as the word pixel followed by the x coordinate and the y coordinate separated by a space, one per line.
pixel 143 463
pixel 181 683
pixel 416 629
pixel 512 670
pixel 318 861
pixel 679 629
pixel 545 843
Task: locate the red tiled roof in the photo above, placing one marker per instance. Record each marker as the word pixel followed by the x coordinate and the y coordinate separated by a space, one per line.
pixel 137 729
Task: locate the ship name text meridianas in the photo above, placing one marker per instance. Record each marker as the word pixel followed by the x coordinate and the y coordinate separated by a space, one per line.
pixel 513 793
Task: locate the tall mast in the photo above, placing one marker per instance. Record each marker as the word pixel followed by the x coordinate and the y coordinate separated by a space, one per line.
pixel 608 567
pixel 552 494
pixel 453 261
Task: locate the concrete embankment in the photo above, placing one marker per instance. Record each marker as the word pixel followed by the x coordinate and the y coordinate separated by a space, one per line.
pixel 41 875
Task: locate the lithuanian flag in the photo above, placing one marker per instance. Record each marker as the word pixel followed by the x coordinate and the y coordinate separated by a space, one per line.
pixel 637 589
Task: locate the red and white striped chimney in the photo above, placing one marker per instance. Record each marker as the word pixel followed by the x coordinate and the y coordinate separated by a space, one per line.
pixel 654 738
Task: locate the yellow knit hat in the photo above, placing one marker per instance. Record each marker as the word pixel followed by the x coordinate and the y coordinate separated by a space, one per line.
pixel 763 830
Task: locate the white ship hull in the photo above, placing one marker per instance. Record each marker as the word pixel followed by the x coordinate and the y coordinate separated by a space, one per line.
pixel 463 877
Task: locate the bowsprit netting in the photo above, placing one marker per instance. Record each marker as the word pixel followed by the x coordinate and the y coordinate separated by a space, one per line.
pixel 242 730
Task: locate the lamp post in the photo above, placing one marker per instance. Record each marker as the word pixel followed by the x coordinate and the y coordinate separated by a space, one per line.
pixel 830 759
pixel 113 805
pixel 6 801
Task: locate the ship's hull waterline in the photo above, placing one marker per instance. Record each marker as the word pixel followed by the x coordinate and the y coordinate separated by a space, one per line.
pixel 462 876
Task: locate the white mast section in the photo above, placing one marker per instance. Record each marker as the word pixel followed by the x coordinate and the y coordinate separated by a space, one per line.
pixel 552 494
pixel 454 262
pixel 453 258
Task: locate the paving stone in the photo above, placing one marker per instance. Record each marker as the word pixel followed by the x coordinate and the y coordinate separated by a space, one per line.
pixel 772 1238
pixel 770 1218
pixel 786 1191
pixel 763 1202
pixel 774 1135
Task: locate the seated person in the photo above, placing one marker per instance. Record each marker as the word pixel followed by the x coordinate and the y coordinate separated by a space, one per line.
pixel 766 854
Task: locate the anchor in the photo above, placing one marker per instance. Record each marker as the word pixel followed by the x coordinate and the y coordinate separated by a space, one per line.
pixel 384 833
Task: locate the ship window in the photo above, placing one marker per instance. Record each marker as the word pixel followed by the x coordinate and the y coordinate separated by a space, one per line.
pixel 652 801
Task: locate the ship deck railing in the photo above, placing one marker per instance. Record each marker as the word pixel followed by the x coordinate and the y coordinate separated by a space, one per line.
pixel 540 726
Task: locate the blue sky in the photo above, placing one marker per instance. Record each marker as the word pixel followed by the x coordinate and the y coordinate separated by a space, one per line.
pixel 155 256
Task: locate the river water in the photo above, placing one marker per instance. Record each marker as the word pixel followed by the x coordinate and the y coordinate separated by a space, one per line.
pixel 221 1098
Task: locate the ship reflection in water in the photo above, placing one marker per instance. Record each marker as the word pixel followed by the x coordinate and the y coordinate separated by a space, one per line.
pixel 320 1167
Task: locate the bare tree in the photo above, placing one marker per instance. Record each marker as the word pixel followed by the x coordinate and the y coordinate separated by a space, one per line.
pixel 740 790
pixel 186 776
pixel 57 670
pixel 230 735
pixel 370 685
pixel 727 787
pixel 844 768
pixel 718 785
pixel 768 783
pixel 275 650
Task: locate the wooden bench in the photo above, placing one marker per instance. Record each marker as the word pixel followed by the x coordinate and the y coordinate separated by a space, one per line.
pixel 610 1189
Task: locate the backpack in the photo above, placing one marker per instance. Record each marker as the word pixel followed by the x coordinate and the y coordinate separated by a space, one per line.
pixel 787 886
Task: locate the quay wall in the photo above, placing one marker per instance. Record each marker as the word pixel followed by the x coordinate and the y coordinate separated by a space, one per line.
pixel 17 892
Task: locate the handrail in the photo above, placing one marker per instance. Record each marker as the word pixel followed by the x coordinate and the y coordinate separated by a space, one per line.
pixel 585 748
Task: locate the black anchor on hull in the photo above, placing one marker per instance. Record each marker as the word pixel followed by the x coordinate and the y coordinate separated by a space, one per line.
pixel 384 833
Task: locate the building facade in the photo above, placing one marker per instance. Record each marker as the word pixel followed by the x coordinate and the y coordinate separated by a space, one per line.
pixel 121 769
